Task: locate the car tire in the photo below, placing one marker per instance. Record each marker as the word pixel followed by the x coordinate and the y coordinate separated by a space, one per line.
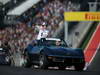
pixel 43 62
pixel 80 66
pixel 28 63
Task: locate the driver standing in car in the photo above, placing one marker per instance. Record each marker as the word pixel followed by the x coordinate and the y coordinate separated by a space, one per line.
pixel 43 31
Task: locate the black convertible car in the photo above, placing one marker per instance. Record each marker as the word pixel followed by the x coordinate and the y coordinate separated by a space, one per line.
pixel 53 52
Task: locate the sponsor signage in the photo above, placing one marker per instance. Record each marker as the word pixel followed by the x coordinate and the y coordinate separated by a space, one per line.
pixel 82 16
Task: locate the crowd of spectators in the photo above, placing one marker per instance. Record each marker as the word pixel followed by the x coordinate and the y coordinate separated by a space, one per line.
pixel 21 34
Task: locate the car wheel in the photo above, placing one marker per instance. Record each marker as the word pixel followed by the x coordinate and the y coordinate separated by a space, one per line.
pixel 28 63
pixel 79 67
pixel 43 62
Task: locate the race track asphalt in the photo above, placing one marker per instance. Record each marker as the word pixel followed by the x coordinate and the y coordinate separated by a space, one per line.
pixel 94 69
pixel 95 64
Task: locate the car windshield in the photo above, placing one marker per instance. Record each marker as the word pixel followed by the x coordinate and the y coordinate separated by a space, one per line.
pixel 53 43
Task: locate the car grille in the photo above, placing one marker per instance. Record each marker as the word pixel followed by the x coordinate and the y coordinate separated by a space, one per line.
pixel 58 60
pixel 68 60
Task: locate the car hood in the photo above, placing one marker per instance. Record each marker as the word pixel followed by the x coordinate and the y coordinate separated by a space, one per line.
pixel 61 51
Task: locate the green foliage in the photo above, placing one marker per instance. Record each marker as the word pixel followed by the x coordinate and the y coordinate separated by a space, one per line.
pixel 88 36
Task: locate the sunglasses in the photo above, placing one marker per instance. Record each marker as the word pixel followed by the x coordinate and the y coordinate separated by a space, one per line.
pixel 43 25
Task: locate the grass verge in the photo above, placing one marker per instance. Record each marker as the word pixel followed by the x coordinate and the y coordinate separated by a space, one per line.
pixel 88 36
